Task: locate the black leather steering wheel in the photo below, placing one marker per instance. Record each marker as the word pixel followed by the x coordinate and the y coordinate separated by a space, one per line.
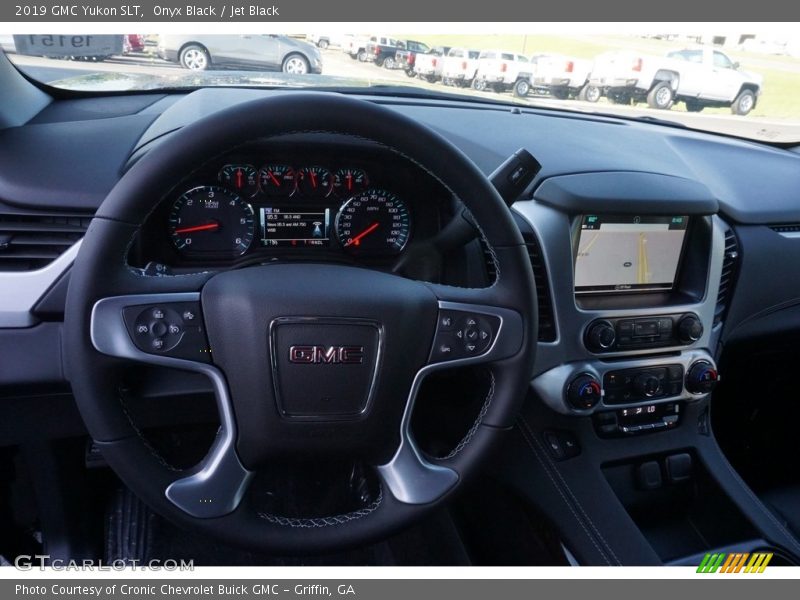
pixel 300 364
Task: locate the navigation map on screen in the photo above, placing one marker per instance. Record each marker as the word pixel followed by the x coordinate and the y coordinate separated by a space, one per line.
pixel 628 253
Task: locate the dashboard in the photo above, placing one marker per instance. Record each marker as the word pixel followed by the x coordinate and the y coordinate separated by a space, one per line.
pixel 636 253
pixel 653 249
pixel 294 200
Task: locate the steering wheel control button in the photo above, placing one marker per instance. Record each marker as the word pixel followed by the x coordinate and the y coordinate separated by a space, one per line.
pixel 462 334
pixel 188 315
pixel 163 330
pixel 584 391
pixel 642 384
pixel 702 378
pixel 158 329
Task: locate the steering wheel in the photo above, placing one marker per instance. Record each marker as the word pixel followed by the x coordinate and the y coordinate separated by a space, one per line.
pixel 317 360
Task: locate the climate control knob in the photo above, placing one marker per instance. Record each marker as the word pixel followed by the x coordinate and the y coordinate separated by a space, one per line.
pixel 601 336
pixel 701 378
pixel 690 329
pixel 584 391
pixel 647 385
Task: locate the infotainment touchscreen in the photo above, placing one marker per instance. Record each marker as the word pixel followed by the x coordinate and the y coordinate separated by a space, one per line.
pixel 628 253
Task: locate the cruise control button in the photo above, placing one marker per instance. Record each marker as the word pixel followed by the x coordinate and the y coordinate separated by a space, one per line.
pixel 158 313
pixel 158 329
pixel 188 315
pixel 143 328
pixel 174 329
pixel 158 344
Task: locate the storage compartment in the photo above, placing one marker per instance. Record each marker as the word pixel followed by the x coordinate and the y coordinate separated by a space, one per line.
pixel 676 504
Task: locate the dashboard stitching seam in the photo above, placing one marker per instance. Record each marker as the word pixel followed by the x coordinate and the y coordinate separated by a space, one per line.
pixel 561 493
pixel 569 491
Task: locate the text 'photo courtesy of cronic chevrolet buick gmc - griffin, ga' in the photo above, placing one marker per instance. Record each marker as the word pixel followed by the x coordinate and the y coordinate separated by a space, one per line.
pixel 264 304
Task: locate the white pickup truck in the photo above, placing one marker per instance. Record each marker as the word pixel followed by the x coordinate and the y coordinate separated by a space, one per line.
pixel 355 46
pixel 498 70
pixel 699 77
pixel 561 76
pixel 429 66
pixel 459 67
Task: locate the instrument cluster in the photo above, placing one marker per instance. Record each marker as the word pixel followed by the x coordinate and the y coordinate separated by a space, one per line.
pixel 266 202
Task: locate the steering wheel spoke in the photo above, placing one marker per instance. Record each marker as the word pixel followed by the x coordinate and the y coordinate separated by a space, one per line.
pixel 466 334
pixel 168 330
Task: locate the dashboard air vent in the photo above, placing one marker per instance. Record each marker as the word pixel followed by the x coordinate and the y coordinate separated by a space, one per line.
pixel 726 281
pixel 547 324
pixel 790 228
pixel 31 241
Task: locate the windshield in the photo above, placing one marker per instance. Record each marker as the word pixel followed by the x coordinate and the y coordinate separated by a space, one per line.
pixel 732 82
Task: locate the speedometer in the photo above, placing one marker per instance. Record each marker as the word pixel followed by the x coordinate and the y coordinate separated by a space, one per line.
pixel 375 222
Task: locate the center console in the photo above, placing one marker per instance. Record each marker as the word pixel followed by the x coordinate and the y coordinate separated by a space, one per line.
pixel 615 444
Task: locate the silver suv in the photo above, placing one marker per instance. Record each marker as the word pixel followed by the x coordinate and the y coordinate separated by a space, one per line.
pixel 272 52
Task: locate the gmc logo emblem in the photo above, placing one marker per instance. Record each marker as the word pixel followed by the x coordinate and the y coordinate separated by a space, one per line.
pixel 331 355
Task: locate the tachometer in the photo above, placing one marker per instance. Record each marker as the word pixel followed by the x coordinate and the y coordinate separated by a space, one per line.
pixel 374 222
pixel 211 220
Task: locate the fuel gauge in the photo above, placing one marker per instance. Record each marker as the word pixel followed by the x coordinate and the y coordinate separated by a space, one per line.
pixel 241 178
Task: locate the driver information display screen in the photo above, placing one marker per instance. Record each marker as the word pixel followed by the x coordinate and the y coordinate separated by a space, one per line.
pixel 287 227
pixel 628 253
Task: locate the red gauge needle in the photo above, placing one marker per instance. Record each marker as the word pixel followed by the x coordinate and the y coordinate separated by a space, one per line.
pixel 239 182
pixel 356 241
pixel 193 228
pixel 313 179
pixel 349 182
pixel 274 179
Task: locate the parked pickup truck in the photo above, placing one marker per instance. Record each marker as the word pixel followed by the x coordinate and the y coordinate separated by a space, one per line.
pixel 406 56
pixel 561 76
pixel 498 70
pixel 382 49
pixel 355 46
pixel 699 77
pixel 429 66
pixel 459 67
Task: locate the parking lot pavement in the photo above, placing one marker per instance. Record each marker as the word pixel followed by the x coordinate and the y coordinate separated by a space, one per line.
pixel 338 64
